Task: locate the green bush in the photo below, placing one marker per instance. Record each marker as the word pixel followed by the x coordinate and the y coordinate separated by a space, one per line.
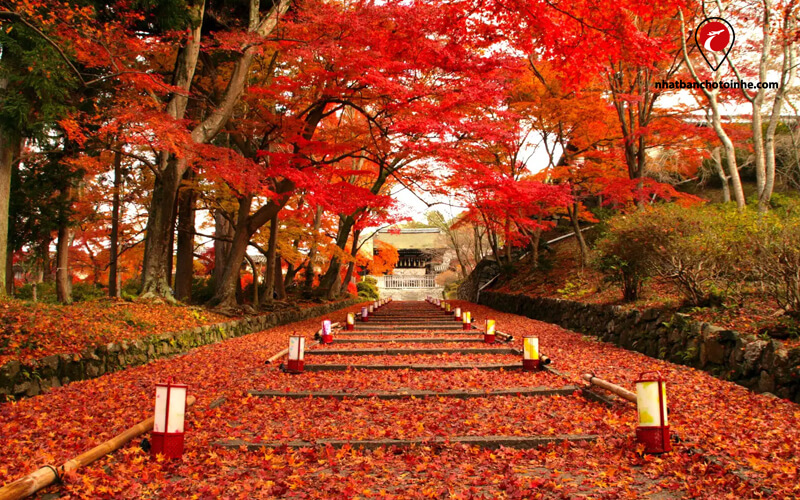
pixel 203 289
pixel 368 289
pixel 776 261
pixel 708 252
pixel 619 255
pixel 46 292
pixel 131 288
pixel 698 248
pixel 450 290
pixel 247 292
pixel 82 292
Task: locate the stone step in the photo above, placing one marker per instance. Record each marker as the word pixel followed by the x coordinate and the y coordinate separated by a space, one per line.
pixel 367 327
pixel 342 368
pixel 322 351
pixel 364 333
pixel 491 442
pixel 421 340
pixel 457 394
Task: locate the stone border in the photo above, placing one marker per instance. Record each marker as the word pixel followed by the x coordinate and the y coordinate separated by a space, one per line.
pixel 29 378
pixel 764 366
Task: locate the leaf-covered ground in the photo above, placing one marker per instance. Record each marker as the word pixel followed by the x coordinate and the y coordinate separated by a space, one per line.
pixel 733 444
pixel 33 330
pixel 266 419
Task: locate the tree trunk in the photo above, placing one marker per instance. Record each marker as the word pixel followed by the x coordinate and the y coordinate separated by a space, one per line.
pixel 44 251
pixel 222 244
pixel 352 265
pixel 329 284
pixel 184 265
pixel 491 236
pixel 246 227
pixel 733 169
pixel 787 77
pixel 63 277
pixel 758 151
pixel 464 272
pixel 291 272
pixel 239 289
pixel 716 155
pixel 8 285
pixel 584 249
pixel 537 237
pixel 171 246
pixel 254 266
pixel 312 253
pixel 9 152
pixel 113 269
pixel 507 235
pixel 225 295
pixel 155 277
pixel 716 122
pixel 478 245
pixel 271 251
pixel 280 290
pixel 156 267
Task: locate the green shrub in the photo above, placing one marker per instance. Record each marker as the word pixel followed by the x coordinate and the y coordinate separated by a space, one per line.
pixel 45 292
pixel 82 292
pixel 701 249
pixel 203 289
pixel 575 289
pixel 368 289
pixel 450 290
pixel 621 256
pixel 247 292
pixel 708 252
pixel 600 228
pixel 776 261
pixel 132 287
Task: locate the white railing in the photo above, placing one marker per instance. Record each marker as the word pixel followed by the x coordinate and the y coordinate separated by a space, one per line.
pixel 389 281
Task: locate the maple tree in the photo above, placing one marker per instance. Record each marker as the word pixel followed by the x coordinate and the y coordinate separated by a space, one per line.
pixel 241 111
pixel 490 170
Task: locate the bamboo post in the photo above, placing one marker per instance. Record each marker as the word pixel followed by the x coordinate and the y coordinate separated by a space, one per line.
pixel 505 336
pixel 279 355
pixel 46 475
pixel 613 388
pixel 284 352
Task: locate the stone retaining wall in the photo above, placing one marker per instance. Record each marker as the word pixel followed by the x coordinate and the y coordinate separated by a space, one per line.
pixel 29 378
pixel 758 364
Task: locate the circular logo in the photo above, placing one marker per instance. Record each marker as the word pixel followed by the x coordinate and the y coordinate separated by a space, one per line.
pixel 714 36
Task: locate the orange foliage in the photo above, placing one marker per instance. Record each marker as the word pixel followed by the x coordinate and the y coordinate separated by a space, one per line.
pixel 386 257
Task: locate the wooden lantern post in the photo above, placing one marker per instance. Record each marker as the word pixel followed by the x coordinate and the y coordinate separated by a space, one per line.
pixel 651 403
pixel 168 421
pixel 297 346
pixel 490 331
pixel 530 353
